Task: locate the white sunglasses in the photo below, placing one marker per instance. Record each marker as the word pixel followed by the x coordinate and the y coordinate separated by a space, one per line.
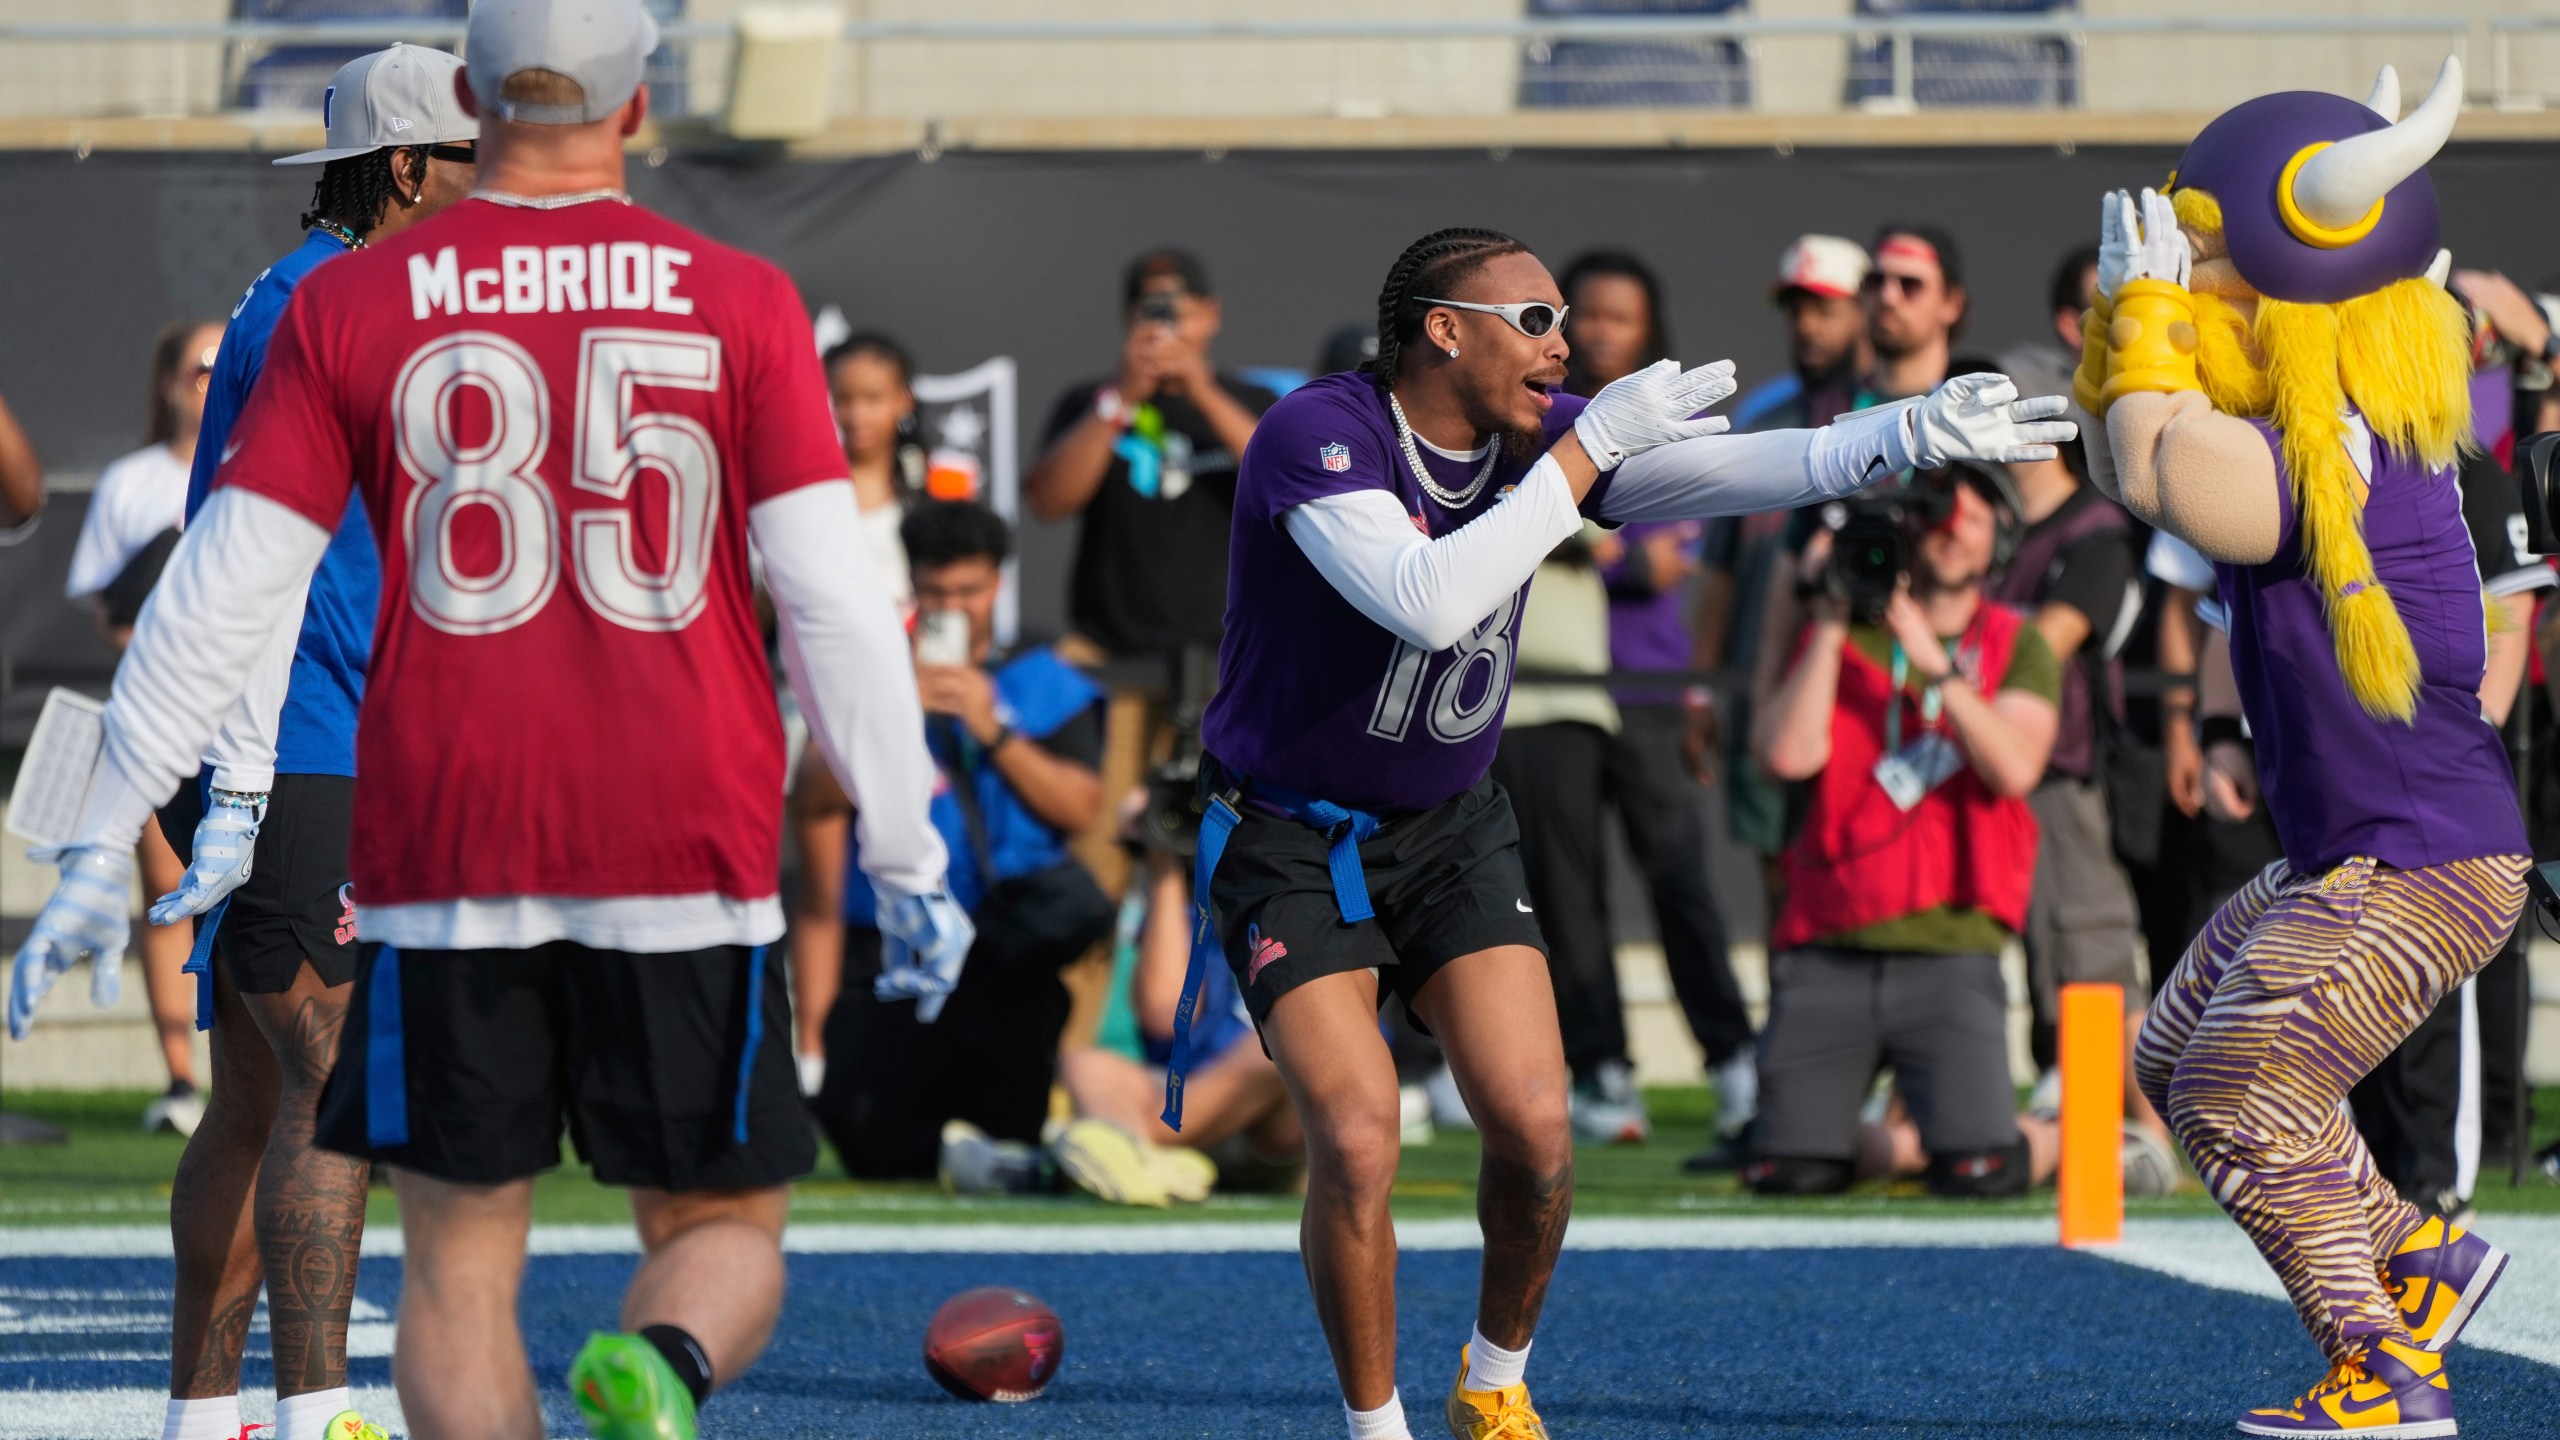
pixel 1534 318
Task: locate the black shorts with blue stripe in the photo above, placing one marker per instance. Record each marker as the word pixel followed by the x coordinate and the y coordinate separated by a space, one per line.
pixel 670 1072
pixel 1444 882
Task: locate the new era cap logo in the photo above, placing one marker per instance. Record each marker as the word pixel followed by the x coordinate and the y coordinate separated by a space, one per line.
pixel 397 123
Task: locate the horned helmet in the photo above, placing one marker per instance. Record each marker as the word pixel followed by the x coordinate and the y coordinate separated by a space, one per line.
pixel 2324 199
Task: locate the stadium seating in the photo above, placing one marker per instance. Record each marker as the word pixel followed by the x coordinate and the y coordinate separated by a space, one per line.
pixel 1947 71
pixel 1588 74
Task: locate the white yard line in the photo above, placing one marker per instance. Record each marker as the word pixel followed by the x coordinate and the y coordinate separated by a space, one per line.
pixel 2523 1320
pixel 134 1410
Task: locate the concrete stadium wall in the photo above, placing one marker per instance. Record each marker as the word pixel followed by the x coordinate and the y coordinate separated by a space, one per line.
pixel 918 79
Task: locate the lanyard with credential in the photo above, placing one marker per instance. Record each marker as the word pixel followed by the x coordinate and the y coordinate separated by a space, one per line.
pixel 1931 702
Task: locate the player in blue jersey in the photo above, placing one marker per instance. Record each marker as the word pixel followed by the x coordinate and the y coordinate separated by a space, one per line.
pixel 1386 526
pixel 279 937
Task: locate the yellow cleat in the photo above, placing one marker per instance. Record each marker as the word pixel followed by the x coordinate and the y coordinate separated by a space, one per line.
pixel 1184 1174
pixel 1108 1161
pixel 1503 1414
pixel 349 1425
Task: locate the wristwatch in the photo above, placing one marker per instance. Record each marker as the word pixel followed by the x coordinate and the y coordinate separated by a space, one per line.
pixel 1109 407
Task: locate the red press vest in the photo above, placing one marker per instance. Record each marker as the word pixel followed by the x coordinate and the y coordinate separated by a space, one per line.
pixel 1861 861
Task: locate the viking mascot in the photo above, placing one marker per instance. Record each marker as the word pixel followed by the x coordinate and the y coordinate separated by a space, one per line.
pixel 2283 380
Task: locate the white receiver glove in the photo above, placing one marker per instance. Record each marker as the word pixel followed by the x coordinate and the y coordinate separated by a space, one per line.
pixel 1980 417
pixel 924 940
pixel 85 919
pixel 225 840
pixel 2139 239
pixel 1635 413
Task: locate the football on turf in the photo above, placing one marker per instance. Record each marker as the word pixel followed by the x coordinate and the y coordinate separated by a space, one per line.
pixel 994 1343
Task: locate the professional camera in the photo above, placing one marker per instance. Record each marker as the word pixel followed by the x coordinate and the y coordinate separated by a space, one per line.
pixel 1171 822
pixel 2534 457
pixel 1873 532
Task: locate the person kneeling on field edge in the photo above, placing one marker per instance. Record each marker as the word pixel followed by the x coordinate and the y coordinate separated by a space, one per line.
pixel 1922 729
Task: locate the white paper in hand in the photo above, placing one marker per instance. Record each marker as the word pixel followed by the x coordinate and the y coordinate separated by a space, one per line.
pixel 53 781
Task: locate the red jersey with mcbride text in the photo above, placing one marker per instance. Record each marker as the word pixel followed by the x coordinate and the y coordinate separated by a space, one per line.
pixel 558 419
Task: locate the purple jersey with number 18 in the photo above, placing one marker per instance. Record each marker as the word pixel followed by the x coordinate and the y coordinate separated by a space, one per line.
pixel 1316 696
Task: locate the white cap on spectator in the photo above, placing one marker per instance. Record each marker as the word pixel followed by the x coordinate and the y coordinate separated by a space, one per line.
pixel 1823 264
pixel 601 44
pixel 400 96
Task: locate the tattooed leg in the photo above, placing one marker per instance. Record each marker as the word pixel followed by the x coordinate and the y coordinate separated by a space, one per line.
pixel 209 1210
pixel 1494 1012
pixel 310 1207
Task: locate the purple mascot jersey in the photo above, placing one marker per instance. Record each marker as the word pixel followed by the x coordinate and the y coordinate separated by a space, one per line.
pixel 2339 782
pixel 1312 694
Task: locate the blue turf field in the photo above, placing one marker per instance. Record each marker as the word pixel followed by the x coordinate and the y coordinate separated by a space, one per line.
pixel 2004 1344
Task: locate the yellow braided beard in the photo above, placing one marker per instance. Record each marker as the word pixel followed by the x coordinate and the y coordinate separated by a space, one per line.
pixel 2401 357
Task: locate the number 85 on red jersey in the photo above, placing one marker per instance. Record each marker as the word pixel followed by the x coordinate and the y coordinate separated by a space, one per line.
pixel 558 420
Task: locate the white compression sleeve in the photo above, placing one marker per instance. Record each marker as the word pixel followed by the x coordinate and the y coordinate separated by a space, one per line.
pixel 1772 470
pixel 243 752
pixel 848 661
pixel 241 567
pixel 1428 592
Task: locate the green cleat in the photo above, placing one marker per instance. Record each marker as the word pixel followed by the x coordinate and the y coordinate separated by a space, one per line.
pixel 626 1390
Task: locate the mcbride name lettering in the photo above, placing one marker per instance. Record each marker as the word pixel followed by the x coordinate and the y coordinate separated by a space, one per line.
pixel 551 279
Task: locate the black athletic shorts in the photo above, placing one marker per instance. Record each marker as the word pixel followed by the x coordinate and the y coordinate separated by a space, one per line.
pixel 672 1072
pixel 1444 882
pixel 298 902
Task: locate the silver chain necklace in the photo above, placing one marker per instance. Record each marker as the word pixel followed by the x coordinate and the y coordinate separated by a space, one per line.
pixel 1449 499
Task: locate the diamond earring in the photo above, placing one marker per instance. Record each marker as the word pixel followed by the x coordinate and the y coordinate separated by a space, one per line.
pixel 1453 352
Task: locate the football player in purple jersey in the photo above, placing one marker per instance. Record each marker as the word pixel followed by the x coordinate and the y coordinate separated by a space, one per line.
pixel 1387 522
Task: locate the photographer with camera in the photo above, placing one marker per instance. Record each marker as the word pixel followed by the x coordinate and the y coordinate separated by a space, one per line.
pixel 1146 459
pixel 1018 739
pixel 1922 713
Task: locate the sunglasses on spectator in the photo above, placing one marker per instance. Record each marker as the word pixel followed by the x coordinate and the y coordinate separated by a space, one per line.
pixel 1906 286
pixel 1534 318
pixel 458 154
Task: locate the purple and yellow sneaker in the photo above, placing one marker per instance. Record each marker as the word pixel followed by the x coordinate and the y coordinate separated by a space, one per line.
pixel 2439 1276
pixel 2398 1392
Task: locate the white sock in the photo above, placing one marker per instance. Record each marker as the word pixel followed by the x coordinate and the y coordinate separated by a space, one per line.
pixel 217 1418
pixel 1490 1367
pixel 1384 1423
pixel 307 1417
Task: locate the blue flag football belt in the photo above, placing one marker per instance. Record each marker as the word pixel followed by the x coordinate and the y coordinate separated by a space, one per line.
pixel 1343 828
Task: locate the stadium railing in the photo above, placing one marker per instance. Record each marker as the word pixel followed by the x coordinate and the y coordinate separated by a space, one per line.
pixel 1891 60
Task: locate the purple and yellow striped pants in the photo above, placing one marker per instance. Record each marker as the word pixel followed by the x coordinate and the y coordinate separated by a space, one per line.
pixel 2298 987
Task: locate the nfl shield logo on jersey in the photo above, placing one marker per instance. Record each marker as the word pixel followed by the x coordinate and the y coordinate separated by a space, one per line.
pixel 1336 457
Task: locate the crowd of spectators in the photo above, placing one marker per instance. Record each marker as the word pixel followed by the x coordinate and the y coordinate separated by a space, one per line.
pixel 2010 746
pixel 2005 751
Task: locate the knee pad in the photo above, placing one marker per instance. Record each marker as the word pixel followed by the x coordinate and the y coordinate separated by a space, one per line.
pixel 1796 1175
pixel 1981 1174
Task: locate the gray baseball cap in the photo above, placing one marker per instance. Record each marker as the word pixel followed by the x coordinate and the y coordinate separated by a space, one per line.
pixel 601 44
pixel 400 96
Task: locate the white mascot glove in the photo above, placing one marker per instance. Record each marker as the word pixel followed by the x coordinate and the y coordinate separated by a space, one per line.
pixel 225 839
pixel 924 939
pixel 1980 417
pixel 85 919
pixel 1635 413
pixel 2140 240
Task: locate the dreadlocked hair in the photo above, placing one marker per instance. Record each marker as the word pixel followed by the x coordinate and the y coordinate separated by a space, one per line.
pixel 1431 266
pixel 353 192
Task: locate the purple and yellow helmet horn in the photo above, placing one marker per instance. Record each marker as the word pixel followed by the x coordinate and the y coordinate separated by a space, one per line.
pixel 2324 199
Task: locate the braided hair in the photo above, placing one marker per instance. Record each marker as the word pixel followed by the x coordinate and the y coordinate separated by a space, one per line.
pixel 354 192
pixel 1431 266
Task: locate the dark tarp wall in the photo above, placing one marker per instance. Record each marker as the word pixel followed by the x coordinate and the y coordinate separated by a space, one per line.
pixel 976 255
